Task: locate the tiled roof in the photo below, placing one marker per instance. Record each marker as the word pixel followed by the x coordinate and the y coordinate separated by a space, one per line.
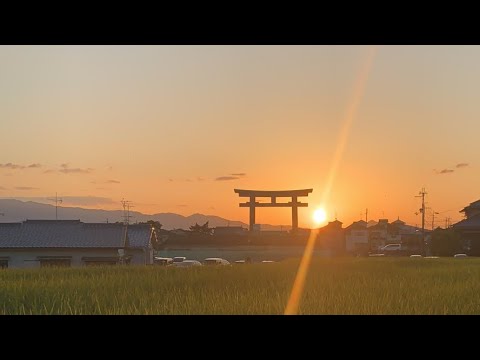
pixel 472 222
pixel 71 234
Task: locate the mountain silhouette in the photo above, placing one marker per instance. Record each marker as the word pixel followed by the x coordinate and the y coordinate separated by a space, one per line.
pixel 16 210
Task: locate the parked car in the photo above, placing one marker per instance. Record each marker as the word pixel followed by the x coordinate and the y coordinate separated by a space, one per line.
pixel 215 261
pixel 163 261
pixel 392 250
pixel 178 259
pixel 187 263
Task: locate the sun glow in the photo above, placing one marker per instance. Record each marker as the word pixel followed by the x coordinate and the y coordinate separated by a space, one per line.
pixel 319 216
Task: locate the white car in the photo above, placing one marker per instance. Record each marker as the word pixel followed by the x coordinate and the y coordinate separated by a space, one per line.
pixel 178 259
pixel 187 263
pixel 215 261
pixel 163 261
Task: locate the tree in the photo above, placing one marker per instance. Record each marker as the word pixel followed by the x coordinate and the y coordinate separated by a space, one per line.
pixel 201 229
pixel 445 242
pixel 155 224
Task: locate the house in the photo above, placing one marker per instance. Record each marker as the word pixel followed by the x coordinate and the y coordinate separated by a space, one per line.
pixel 38 243
pixel 378 235
pixel 356 237
pixel 331 237
pixel 471 210
pixel 469 229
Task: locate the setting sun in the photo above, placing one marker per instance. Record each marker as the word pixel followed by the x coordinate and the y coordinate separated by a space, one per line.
pixel 319 216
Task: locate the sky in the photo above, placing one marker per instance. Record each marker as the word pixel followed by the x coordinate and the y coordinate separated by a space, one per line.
pixel 178 128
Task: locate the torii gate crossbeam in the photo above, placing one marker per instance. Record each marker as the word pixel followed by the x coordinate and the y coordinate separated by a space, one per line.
pixel 273 195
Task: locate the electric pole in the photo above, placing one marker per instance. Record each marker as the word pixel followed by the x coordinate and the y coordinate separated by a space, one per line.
pixel 126 220
pixel 57 201
pixel 433 219
pixel 422 210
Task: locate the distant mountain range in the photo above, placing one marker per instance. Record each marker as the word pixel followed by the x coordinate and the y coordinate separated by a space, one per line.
pixel 16 210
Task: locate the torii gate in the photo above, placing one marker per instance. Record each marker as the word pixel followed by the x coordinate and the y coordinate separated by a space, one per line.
pixel 294 204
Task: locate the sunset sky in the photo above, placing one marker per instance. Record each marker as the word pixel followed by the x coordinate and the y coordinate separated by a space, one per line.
pixel 177 128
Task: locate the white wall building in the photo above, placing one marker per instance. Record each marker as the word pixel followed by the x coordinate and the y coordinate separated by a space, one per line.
pixel 37 243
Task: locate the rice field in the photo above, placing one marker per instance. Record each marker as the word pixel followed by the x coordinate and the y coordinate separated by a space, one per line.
pixel 334 286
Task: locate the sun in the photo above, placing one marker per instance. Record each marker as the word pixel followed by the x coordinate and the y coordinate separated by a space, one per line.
pixel 319 216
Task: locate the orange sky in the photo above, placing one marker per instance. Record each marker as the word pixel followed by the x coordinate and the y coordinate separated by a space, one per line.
pixel 163 125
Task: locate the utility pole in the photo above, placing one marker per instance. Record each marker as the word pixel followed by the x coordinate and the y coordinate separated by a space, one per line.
pixel 126 220
pixel 57 201
pixel 422 210
pixel 433 219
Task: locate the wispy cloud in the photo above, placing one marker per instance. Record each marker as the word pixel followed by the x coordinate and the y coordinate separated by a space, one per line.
pixel 25 188
pixel 112 182
pixel 182 205
pixel 49 171
pixel 444 171
pixel 67 170
pixel 239 174
pixel 462 165
pixel 226 178
pixel 34 166
pixel 199 178
pixel 11 166
pixel 2 188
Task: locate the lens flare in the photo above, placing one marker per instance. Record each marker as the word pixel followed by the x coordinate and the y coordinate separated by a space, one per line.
pixel 351 111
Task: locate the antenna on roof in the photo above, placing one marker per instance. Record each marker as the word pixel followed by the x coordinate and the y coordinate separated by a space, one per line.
pixel 126 219
pixel 57 201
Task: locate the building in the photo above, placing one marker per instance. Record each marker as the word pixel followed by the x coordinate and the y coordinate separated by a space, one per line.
pixel 469 229
pixel 356 238
pixel 377 235
pixel 471 210
pixel 229 230
pixel 38 243
pixel 331 237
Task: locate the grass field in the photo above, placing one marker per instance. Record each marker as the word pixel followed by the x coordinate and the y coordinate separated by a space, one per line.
pixel 334 286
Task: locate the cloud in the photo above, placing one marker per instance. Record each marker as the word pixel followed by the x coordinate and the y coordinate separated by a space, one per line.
pixel 182 205
pixel 112 182
pixel 170 180
pixel 226 178
pixel 34 166
pixel 200 178
pixel 49 171
pixel 25 188
pixel 239 174
pixel 67 170
pixel 445 171
pixel 461 165
pixel 11 166
pixel 2 188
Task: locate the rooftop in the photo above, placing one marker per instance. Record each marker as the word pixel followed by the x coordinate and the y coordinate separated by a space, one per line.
pixel 71 234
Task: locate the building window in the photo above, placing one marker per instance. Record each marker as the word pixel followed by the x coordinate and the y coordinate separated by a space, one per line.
pixel 55 263
pixel 3 264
